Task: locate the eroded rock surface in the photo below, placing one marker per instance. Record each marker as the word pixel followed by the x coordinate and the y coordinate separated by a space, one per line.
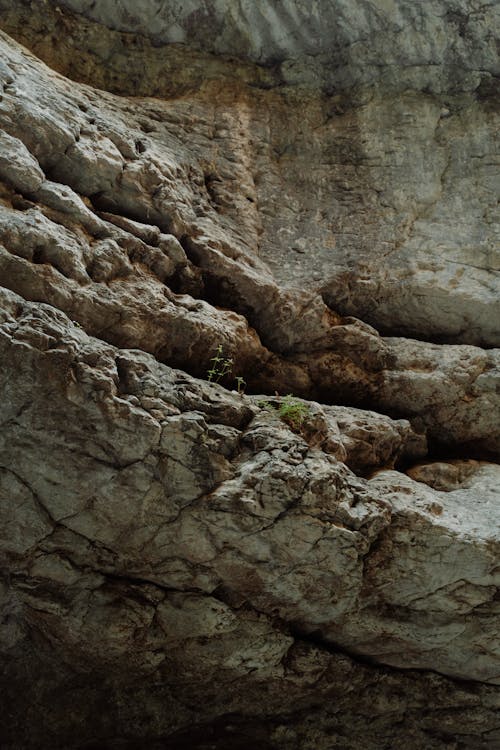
pixel 160 526
pixel 381 189
pixel 171 548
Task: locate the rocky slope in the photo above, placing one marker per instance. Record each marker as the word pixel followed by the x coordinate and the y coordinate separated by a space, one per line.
pixel 171 547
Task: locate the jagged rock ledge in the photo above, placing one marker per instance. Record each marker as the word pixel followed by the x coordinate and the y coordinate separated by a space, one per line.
pixel 263 566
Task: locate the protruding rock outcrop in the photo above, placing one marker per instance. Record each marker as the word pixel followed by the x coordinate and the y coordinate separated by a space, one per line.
pixel 162 526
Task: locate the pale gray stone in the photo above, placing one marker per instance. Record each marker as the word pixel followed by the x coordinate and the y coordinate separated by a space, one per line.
pixel 354 42
pixel 180 566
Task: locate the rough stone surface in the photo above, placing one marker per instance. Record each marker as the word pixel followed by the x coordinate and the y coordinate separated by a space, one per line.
pixel 175 550
pixel 381 191
pixel 159 528
pixel 120 279
pixel 342 43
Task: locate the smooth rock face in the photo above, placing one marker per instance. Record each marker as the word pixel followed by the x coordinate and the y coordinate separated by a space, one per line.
pixel 181 566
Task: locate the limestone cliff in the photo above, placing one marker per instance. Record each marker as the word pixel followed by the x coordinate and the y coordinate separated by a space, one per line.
pixel 309 188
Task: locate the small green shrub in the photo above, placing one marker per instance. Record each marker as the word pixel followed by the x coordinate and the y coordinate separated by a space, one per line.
pixel 240 384
pixel 221 366
pixel 291 410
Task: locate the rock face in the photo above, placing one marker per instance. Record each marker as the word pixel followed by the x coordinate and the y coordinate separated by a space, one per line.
pixel 380 192
pixel 339 43
pixel 215 570
pixel 161 531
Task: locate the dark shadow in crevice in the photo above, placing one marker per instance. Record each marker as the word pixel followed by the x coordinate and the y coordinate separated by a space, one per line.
pixel 449 452
pixel 315 638
pixel 226 732
pixel 104 202
pixel 406 331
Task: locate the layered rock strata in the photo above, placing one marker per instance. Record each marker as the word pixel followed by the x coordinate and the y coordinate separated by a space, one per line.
pixel 380 192
pixel 171 547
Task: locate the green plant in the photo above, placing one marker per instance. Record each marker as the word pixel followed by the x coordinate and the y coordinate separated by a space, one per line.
pixel 240 384
pixel 221 366
pixel 293 411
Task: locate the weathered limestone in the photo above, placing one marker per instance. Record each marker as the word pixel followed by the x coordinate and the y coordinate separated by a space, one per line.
pixel 439 42
pixel 311 188
pixel 126 554
pixel 114 284
pixel 380 192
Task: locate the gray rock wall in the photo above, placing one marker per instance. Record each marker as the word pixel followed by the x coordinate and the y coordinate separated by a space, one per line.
pixel 435 45
pixel 181 566
pixel 381 190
